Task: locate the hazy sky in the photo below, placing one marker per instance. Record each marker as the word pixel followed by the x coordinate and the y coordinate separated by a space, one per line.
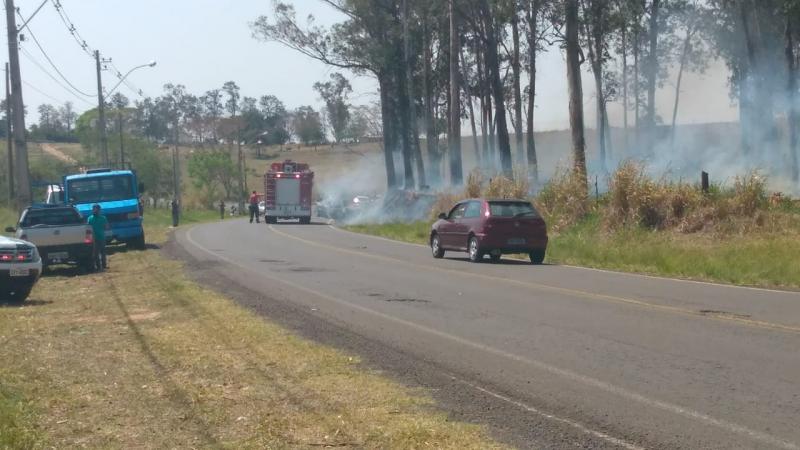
pixel 204 43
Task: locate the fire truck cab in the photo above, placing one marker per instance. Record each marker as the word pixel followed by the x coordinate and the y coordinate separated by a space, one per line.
pixel 287 192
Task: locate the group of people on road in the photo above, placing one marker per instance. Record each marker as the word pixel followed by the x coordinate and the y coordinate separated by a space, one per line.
pixel 252 206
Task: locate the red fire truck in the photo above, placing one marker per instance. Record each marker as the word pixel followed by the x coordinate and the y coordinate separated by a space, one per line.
pixel 287 192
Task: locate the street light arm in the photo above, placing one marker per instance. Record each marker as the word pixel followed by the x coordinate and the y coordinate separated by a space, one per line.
pixel 150 64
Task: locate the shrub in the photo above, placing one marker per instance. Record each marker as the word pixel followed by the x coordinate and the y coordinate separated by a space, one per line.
pixel 749 194
pixel 564 200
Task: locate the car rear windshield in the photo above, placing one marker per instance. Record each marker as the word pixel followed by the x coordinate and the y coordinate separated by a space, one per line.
pixel 51 217
pixel 104 189
pixel 512 209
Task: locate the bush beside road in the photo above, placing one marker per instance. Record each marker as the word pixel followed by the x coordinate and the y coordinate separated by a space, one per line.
pixel 140 356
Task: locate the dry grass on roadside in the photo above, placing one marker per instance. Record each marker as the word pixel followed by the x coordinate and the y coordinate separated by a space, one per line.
pixel 140 357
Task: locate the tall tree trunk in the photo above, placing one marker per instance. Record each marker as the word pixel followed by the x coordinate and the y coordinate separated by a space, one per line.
pixel 405 122
pixel 467 91
pixel 454 132
pixel 387 119
pixel 594 33
pixel 503 141
pixel 431 135
pixel 533 164
pixel 575 90
pixel 636 92
pixel 517 67
pixel 687 42
pixel 791 96
pixel 652 73
pixel 624 89
pixel 412 96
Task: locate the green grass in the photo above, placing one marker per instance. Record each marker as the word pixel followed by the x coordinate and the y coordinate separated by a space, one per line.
pixel 757 259
pixel 416 232
pixel 762 259
pixel 140 356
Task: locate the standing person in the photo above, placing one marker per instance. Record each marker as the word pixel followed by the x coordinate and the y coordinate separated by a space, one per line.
pixel 221 210
pixel 254 207
pixel 99 225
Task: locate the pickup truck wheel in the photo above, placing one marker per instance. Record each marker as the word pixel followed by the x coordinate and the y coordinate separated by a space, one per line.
pixel 305 220
pixel 86 264
pixel 270 219
pixel 19 296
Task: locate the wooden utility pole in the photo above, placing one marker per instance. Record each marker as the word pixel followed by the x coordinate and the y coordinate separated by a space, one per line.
pixel 23 190
pixel 9 143
pixel 101 110
pixel 454 133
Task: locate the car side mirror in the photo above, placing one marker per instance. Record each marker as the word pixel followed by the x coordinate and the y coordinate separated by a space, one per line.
pixel 11 230
pixel 442 216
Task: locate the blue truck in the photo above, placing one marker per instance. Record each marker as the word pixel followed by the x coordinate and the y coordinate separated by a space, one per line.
pixel 117 193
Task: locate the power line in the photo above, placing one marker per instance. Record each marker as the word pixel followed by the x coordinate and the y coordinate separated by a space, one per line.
pixel 42 92
pixel 73 31
pixel 52 64
pixel 46 72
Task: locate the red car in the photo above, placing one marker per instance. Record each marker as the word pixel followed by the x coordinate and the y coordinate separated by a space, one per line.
pixel 490 227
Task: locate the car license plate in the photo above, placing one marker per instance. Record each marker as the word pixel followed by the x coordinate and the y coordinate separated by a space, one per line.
pixel 58 256
pixel 516 241
pixel 20 272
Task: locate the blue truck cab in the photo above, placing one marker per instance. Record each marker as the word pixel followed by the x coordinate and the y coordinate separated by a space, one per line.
pixel 117 193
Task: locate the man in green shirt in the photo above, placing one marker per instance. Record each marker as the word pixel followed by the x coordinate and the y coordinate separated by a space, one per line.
pixel 99 225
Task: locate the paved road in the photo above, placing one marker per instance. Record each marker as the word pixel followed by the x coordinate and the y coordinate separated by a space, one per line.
pixel 599 359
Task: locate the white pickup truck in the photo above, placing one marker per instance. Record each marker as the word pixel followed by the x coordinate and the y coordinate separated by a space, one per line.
pixel 20 268
pixel 59 232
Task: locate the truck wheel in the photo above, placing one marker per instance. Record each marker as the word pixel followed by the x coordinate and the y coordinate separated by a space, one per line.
pixel 137 243
pixel 270 219
pixel 305 220
pixel 86 265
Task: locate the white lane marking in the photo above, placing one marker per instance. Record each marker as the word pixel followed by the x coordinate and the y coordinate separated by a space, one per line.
pixel 538 412
pixel 577 293
pixel 589 381
pixel 593 269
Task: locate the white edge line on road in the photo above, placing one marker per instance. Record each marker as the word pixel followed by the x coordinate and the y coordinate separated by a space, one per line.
pixel 593 382
pixel 594 269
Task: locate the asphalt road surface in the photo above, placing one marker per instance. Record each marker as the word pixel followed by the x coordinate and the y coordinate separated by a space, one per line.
pixel 547 356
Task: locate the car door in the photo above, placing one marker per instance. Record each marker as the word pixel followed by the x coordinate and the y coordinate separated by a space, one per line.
pixel 448 228
pixel 464 225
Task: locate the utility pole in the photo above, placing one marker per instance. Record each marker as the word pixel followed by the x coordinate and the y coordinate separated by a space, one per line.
pixel 121 144
pixel 9 143
pixel 176 180
pixel 18 111
pixel 242 187
pixel 101 109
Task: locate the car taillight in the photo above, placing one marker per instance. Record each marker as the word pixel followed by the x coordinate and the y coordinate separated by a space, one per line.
pixel 133 215
pixel 5 258
pixel 89 238
pixel 297 176
pixel 20 257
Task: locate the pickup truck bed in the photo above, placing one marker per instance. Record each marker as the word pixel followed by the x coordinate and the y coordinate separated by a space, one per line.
pixel 59 233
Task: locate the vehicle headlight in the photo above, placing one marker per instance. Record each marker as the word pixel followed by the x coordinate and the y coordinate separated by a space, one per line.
pixel 356 200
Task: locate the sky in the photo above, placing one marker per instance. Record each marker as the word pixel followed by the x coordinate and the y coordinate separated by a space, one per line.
pixel 204 43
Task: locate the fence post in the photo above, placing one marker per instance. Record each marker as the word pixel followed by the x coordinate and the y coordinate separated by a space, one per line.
pixel 704 182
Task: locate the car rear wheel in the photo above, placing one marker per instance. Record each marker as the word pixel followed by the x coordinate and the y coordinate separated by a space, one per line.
pixel 475 254
pixel 436 247
pixel 495 257
pixel 270 219
pixel 537 257
pixel 137 243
